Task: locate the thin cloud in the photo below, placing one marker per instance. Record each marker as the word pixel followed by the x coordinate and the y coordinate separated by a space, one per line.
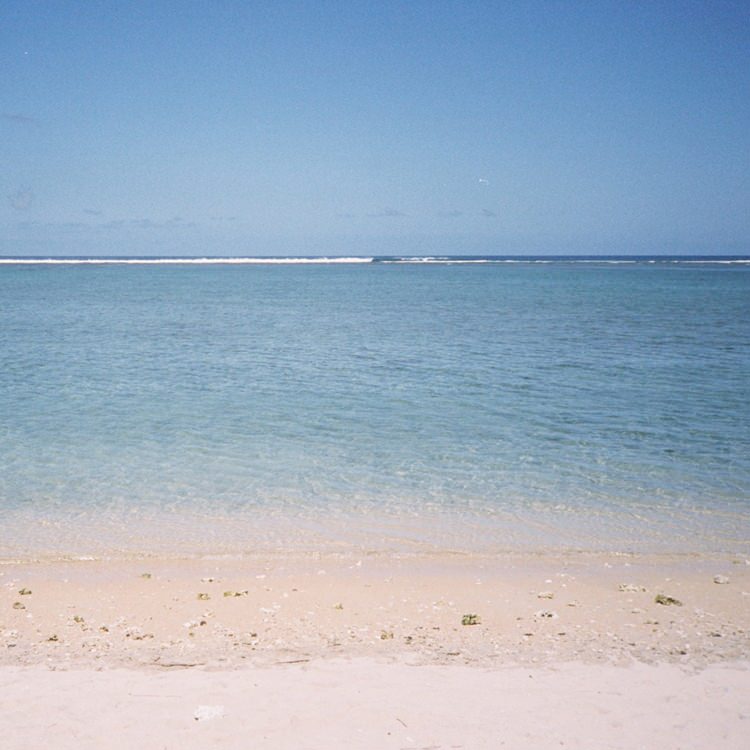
pixel 489 214
pixel 387 213
pixel 17 117
pixel 174 222
pixel 92 212
pixel 450 214
pixel 22 199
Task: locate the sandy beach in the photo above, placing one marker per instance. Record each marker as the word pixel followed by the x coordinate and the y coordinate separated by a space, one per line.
pixel 579 650
pixel 367 703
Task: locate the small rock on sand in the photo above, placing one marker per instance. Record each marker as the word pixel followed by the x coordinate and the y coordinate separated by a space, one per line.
pixel 667 600
pixel 546 614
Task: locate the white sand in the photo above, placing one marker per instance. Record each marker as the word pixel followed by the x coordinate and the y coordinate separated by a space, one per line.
pixel 347 652
pixel 364 703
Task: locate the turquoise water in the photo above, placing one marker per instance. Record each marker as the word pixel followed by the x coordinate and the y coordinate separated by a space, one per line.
pixel 229 408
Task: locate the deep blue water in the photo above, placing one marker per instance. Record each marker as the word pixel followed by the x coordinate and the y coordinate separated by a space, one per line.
pixel 232 407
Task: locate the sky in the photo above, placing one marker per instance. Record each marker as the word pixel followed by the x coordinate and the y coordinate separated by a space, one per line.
pixel 374 128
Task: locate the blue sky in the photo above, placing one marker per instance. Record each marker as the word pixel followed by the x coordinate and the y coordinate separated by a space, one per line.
pixel 293 128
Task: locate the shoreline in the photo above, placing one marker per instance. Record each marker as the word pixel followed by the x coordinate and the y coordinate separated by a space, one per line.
pixel 139 533
pixel 303 555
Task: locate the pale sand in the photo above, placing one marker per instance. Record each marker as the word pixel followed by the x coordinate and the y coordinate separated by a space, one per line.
pixel 339 651
pixel 366 704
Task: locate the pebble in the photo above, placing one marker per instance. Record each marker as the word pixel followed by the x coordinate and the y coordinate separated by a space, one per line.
pixel 667 600
pixel 721 579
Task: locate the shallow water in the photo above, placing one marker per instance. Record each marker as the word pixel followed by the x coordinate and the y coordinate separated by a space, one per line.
pixel 201 407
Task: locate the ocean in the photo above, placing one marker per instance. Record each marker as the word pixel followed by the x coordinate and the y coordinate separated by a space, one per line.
pixel 231 406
